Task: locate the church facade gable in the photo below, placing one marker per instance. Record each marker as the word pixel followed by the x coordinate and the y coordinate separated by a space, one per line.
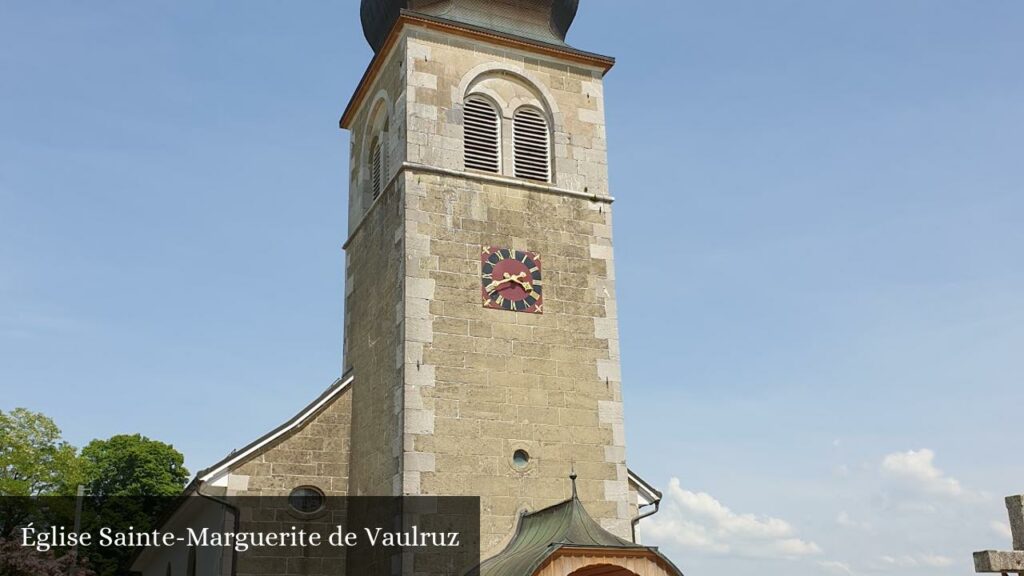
pixel 311 450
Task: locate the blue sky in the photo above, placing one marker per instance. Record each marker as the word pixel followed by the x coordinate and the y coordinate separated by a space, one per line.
pixel 819 231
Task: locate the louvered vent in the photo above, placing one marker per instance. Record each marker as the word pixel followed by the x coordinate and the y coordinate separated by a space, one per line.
pixel 532 145
pixel 377 167
pixel 385 162
pixel 482 136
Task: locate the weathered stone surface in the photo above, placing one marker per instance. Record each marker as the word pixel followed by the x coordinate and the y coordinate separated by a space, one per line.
pixel 991 561
pixel 1015 506
pixel 445 390
pixel 478 384
pixel 317 454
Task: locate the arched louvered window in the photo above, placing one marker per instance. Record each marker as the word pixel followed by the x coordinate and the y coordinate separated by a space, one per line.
pixel 482 135
pixel 532 143
pixel 378 166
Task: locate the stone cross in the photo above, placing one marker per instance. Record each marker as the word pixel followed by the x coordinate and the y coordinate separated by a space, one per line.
pixel 1015 504
pixel 1006 562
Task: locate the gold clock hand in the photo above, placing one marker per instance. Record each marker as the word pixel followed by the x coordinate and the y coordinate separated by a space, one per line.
pixel 498 283
pixel 525 285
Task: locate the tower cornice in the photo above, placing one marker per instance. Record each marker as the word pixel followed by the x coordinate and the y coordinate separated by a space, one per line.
pixel 478 177
pixel 407 17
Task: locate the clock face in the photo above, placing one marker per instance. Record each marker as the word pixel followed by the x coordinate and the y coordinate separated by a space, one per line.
pixel 511 280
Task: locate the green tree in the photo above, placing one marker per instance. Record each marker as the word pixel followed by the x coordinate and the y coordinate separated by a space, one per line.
pixel 16 560
pixel 133 465
pixel 132 481
pixel 34 459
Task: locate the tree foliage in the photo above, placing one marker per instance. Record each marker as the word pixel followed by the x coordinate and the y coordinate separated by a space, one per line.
pixel 16 560
pixel 34 459
pixel 133 465
pixel 130 481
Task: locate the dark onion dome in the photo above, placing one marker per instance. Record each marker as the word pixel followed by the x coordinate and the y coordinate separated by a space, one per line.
pixel 541 20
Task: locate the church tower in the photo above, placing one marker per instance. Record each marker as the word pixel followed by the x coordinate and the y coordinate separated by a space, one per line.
pixel 480 281
pixel 481 332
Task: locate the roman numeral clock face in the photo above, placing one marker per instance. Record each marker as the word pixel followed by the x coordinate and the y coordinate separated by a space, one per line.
pixel 511 280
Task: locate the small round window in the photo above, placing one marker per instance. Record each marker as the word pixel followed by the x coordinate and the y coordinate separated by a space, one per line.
pixel 306 500
pixel 520 459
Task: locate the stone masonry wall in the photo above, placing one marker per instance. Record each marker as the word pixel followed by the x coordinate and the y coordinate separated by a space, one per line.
pixel 445 390
pixel 387 92
pixel 480 384
pixel 484 383
pixel 374 314
pixel 374 334
pixel 441 67
pixel 315 455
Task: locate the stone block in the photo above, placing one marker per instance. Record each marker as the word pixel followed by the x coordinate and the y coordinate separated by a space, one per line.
pixel 415 308
pixel 453 381
pixel 1015 507
pixel 445 358
pixel 452 342
pixel 488 362
pixel 423 80
pixel 422 375
pixel 539 415
pixel 419 462
pixel 420 288
pixel 238 482
pixel 480 409
pixel 605 328
pixel 615 454
pixel 290 469
pixel 577 417
pixel 609 370
pixel 456 326
pixel 419 421
pixel 991 561
pixel 419 330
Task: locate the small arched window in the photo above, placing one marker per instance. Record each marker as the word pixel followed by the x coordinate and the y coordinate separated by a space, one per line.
pixel 378 166
pixel 532 142
pixel 482 135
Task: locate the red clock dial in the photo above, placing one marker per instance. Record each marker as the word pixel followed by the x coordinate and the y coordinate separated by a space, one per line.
pixel 511 280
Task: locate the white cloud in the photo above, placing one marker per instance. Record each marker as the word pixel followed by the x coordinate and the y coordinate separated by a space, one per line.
pixel 793 547
pixel 918 561
pixel 698 521
pixel 837 567
pixel 844 520
pixel 916 470
pixel 872 532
